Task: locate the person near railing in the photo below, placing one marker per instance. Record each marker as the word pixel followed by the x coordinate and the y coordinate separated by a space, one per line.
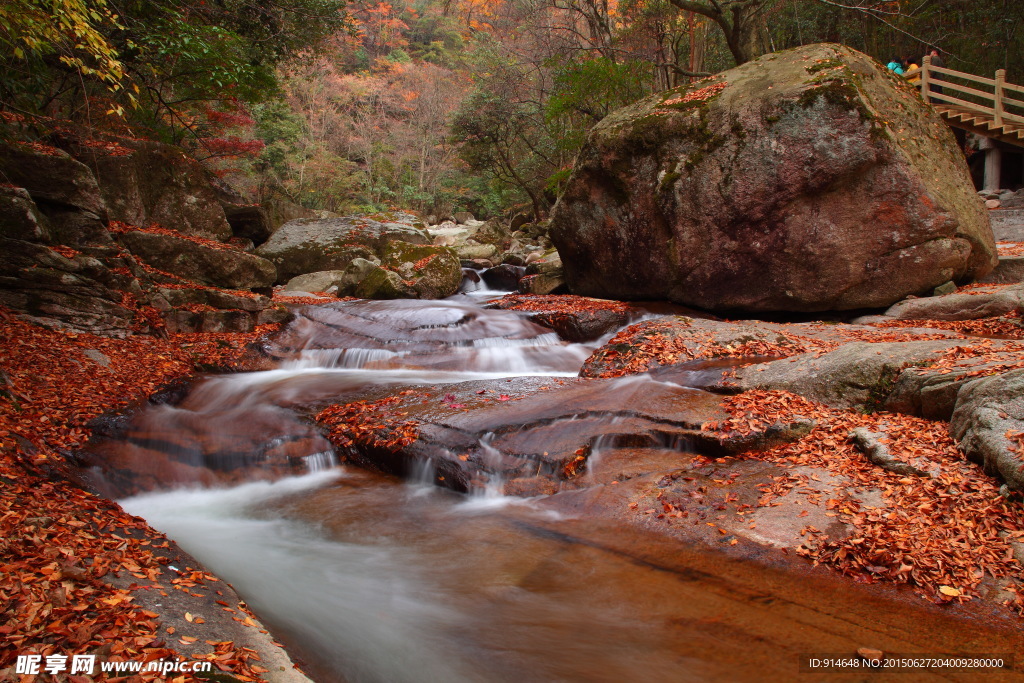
pixel 935 59
pixel 912 72
pixel 896 66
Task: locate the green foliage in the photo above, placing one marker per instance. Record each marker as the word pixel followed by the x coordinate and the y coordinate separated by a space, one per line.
pixel 586 92
pixel 163 63
pixel 70 35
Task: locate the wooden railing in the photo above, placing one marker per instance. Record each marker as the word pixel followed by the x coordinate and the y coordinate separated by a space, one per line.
pixel 990 96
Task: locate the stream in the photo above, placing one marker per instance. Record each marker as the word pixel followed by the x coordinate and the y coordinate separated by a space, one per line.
pixel 370 577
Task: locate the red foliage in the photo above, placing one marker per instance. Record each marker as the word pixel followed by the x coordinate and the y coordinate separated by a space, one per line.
pixel 645 346
pixel 559 303
pixel 233 147
pixel 951 530
pixel 1010 248
pixel 66 252
pixel 1010 326
pixel 57 542
pixel 370 424
pixel 106 148
pixel 40 148
pixel 422 263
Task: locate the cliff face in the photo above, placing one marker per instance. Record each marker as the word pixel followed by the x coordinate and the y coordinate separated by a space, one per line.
pixel 118 236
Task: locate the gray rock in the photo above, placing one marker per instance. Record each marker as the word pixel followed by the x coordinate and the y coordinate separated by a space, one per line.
pixel 856 375
pixel 542 283
pixel 250 222
pixel 20 218
pixel 309 245
pixel 463 217
pixel 988 413
pixel 476 251
pixel 319 281
pixel 960 305
pixel 545 264
pixel 191 260
pixel 97 356
pixel 157 183
pixel 81 292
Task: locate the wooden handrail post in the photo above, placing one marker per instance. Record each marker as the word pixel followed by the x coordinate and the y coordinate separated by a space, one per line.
pixel 1000 79
pixel 926 66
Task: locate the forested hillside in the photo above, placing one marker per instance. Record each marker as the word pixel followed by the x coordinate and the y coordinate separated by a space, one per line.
pixel 430 105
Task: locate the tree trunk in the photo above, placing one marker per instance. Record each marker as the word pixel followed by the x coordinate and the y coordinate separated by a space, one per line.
pixel 745 37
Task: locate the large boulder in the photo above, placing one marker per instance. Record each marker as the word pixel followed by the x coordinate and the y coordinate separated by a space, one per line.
pixel 308 245
pixel 144 182
pixel 63 189
pixel 807 180
pixel 203 261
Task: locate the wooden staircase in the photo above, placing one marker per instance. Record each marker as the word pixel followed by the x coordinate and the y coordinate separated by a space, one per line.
pixel 981 123
pixel 985 106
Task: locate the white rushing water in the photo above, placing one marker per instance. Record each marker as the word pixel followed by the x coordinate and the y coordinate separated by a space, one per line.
pixel 373 580
pixel 354 604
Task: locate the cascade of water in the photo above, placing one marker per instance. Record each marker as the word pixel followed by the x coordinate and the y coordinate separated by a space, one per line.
pixel 599 446
pixel 337 358
pixel 491 458
pixel 321 462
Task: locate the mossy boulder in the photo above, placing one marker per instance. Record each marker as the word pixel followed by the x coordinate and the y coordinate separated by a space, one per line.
pixel 308 245
pixel 383 284
pixel 808 180
pixel 431 272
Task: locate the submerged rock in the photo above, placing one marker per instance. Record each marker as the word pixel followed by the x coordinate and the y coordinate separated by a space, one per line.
pixel 807 180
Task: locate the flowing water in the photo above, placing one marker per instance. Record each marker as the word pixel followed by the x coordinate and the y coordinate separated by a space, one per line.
pixel 370 578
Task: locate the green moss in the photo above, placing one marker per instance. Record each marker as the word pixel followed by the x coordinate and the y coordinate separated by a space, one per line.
pixel 880 391
pixel 825 64
pixel 668 180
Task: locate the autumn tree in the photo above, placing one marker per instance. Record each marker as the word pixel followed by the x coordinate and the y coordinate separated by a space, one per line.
pixel 742 23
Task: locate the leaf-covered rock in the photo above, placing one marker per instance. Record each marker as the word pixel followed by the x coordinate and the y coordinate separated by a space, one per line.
pixel 208 263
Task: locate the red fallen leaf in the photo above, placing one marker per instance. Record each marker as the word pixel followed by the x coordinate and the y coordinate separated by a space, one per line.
pixel 503 397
